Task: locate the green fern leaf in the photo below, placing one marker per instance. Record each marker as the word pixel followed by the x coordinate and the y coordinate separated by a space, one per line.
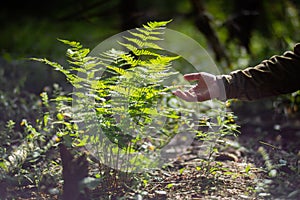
pixel 144 52
pixel 153 38
pixel 156 24
pixel 149 32
pixel 73 44
pixel 152 45
pixel 117 69
pixel 130 47
pixel 144 37
pixel 139 35
pixel 130 60
pixel 138 42
pixel 55 65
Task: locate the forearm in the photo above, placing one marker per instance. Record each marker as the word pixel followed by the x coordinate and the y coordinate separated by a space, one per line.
pixel 278 75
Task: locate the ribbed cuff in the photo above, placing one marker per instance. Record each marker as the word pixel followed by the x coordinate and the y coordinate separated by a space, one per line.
pixel 223 87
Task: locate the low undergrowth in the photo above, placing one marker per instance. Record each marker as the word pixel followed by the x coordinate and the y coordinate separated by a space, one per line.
pixel 121 117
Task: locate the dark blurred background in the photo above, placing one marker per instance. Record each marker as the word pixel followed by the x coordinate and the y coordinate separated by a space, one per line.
pixel 236 33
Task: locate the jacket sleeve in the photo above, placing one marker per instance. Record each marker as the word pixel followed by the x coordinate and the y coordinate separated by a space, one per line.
pixel 278 75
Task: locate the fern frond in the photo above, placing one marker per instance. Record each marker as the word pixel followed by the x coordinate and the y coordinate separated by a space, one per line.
pixel 152 29
pixel 152 46
pixel 163 60
pixel 130 47
pixel 130 60
pixel 117 89
pixel 149 32
pixel 139 35
pixel 55 65
pixel 78 69
pixel 111 56
pixel 144 37
pixel 168 59
pixel 153 38
pixel 144 52
pixel 73 44
pixel 78 53
pixel 138 42
pixel 113 53
pixel 117 69
pixel 156 24
pixel 93 63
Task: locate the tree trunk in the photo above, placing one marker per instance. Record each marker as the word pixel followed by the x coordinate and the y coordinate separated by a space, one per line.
pixel 75 169
pixel 202 22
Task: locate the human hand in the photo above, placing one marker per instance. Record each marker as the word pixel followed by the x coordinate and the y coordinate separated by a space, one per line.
pixel 206 88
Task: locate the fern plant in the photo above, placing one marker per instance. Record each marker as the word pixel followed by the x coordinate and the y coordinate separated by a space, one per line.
pixel 118 95
pixel 121 104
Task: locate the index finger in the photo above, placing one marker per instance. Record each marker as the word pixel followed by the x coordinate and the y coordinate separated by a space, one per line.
pixel 192 76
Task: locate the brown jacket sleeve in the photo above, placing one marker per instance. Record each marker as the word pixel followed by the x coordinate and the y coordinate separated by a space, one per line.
pixel 278 75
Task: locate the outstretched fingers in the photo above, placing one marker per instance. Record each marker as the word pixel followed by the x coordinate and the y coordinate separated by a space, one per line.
pixel 206 83
pixel 201 85
pixel 187 96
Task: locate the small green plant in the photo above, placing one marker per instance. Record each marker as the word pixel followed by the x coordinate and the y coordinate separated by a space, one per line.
pixel 121 108
pixel 132 95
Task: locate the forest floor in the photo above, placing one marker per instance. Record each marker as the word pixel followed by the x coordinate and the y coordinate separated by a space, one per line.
pixel 262 162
